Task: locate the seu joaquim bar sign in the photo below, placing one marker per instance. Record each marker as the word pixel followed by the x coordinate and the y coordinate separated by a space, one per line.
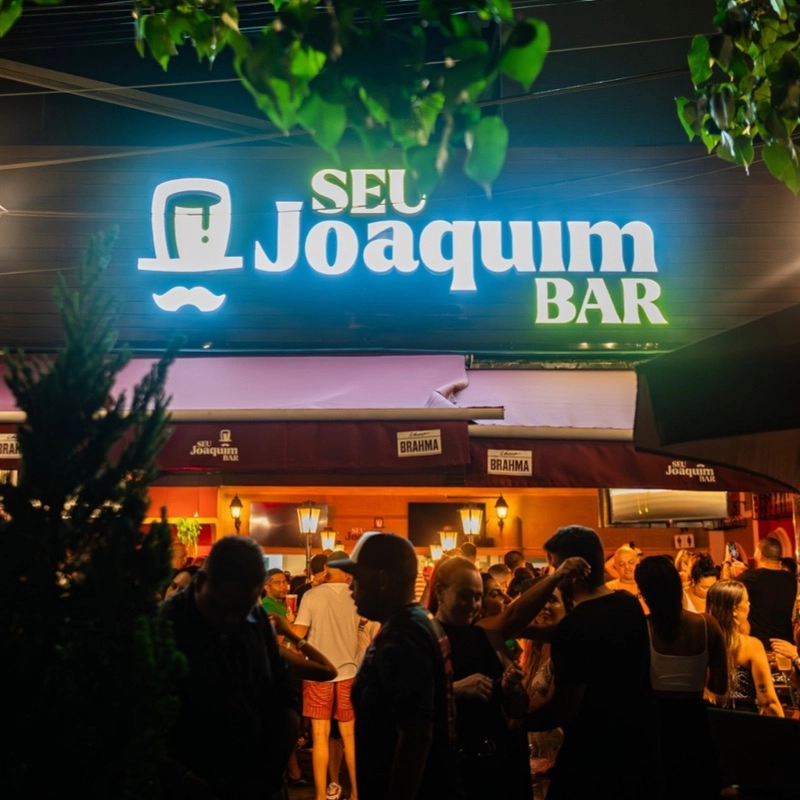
pixel 362 220
pixel 255 249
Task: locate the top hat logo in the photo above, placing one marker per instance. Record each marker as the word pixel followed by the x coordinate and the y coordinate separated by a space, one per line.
pixel 191 221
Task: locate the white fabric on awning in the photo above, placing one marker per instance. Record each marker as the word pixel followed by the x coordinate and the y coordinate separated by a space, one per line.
pixel 596 404
pixel 298 382
pixel 557 399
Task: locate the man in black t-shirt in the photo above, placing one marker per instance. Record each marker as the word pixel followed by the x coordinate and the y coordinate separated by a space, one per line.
pixel 402 694
pixel 772 593
pixel 603 698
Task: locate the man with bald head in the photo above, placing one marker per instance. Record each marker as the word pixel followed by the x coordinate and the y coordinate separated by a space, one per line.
pixel 625 561
pixel 772 592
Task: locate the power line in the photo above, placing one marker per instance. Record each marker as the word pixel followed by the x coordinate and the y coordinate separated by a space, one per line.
pixel 609 83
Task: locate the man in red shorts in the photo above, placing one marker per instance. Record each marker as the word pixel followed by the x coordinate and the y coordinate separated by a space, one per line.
pixel 329 618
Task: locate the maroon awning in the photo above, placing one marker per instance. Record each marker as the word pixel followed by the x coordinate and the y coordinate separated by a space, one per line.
pixel 404 448
pixel 587 464
pixel 316 447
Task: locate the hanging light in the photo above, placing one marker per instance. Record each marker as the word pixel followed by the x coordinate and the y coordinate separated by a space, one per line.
pixel 328 538
pixel 501 509
pixel 471 519
pixel 308 518
pixel 236 512
pixel 436 551
pixel 449 539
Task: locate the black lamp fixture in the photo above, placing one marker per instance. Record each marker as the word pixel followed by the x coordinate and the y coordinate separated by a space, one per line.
pixel 501 509
pixel 307 522
pixel 236 512
pixel 471 518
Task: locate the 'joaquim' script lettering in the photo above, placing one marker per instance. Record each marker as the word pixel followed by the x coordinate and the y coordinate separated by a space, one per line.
pixel 700 471
pixel 224 450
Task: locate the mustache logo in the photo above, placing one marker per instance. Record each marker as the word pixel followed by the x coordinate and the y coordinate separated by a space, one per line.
pixel 197 296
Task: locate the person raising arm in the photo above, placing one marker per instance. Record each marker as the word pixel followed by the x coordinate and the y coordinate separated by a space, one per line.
pixel 515 619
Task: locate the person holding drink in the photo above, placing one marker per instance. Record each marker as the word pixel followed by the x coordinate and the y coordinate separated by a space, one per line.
pixel 786 660
pixel 276 588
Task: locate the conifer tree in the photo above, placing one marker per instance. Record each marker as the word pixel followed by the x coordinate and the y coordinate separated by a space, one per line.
pixel 90 666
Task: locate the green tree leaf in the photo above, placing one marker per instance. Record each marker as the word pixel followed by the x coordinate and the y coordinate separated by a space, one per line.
pixel 487 143
pixel 780 8
pixel 736 149
pixel 423 164
pixel 781 162
pixel 326 122
pixel 9 13
pixel 700 60
pixel 723 106
pixel 500 10
pixel 305 62
pixel 721 49
pixel 427 112
pixel 525 51
pixel 159 39
pixel 688 116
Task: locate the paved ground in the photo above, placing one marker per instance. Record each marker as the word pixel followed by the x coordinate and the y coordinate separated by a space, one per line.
pixel 307 792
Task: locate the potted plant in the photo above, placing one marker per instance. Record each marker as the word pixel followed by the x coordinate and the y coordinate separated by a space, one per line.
pixel 188 531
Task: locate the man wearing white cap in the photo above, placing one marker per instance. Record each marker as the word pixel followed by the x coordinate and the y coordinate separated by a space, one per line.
pixel 402 693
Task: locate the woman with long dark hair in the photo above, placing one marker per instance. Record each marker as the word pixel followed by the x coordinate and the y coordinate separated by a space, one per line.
pixel 687 655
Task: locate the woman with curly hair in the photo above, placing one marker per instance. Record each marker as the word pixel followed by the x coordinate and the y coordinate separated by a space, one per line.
pixel 702 576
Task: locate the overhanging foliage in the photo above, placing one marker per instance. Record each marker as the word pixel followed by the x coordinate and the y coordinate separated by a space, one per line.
pixel 747 86
pixel 413 80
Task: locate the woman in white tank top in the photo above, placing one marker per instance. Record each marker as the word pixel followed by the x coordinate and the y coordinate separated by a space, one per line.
pixel 687 655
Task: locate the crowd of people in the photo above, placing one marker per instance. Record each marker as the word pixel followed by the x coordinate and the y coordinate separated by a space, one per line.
pixel 588 677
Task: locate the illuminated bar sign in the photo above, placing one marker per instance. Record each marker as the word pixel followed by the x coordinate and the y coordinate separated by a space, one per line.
pixel 578 252
pixel 191 224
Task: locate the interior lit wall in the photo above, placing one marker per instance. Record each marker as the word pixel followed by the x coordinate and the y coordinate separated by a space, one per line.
pixel 533 514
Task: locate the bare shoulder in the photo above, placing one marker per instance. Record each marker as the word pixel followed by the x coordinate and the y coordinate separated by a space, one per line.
pixel 754 648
